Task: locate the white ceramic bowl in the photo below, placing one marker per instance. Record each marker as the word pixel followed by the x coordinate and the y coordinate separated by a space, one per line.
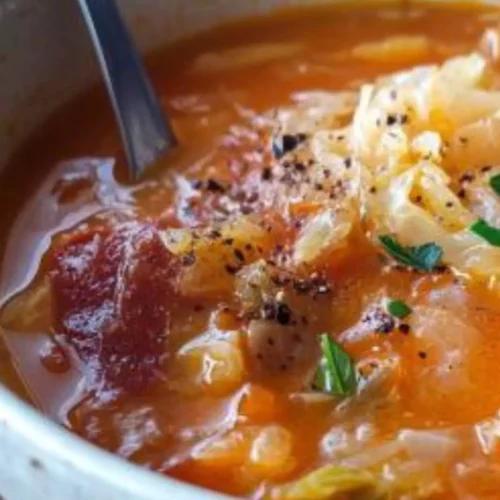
pixel 45 59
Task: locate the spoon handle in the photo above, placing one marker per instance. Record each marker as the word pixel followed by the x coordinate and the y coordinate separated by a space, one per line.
pixel 145 132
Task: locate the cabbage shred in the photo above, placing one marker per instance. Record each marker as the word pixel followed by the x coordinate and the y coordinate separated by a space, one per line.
pixel 407 159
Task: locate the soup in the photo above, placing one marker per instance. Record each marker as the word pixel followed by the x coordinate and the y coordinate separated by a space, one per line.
pixel 301 302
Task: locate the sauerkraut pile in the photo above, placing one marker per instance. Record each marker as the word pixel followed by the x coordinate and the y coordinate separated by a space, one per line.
pixel 415 154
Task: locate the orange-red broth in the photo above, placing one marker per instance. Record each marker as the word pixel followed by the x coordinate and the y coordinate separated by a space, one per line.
pixel 448 358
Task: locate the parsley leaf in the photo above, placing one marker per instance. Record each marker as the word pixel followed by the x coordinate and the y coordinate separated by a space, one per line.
pixel 336 373
pixel 425 257
pixel 495 183
pixel 489 233
pixel 398 309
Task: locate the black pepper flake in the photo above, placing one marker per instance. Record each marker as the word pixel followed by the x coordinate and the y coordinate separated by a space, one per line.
pixel 214 186
pixel 300 167
pixel 327 173
pixel 486 169
pixel 248 247
pixel 461 193
pixel 268 311
pixel 267 174
pixel 422 355
pixel 231 269
pixel 467 177
pixel 440 269
pixel 384 323
pixel 397 119
pixel 391 120
pixel 253 197
pixel 373 190
pixel 214 234
pixel 197 184
pixel 188 259
pixel 228 241
pixel 286 143
pixel 246 209
pixel 318 186
pixel 404 328
pixel 449 204
pixel 283 314
pixel 463 140
pixel 348 163
pixel 239 255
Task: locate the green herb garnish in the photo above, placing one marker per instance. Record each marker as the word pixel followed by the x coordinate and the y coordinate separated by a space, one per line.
pixel 336 373
pixel 425 257
pixel 495 183
pixel 489 233
pixel 398 309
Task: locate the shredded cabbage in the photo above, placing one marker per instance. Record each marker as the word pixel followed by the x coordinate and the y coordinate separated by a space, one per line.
pixel 412 136
pixel 328 483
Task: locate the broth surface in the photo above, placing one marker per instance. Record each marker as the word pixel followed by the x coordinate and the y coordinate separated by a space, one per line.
pixel 211 417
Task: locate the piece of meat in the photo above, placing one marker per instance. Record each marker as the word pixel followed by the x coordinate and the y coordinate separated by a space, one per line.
pixel 112 290
pixel 276 348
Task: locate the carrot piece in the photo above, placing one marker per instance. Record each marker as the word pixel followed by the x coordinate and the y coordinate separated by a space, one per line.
pixel 304 208
pixel 259 404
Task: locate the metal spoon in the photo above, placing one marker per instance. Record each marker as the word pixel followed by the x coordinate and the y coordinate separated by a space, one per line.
pixel 145 132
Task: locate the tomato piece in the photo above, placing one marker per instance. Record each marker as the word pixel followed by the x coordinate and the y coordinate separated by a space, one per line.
pixel 112 290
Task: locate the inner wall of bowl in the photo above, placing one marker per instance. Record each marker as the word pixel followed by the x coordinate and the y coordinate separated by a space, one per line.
pixel 46 57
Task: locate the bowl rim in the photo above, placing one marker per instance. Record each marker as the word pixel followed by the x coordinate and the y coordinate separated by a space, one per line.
pixel 58 443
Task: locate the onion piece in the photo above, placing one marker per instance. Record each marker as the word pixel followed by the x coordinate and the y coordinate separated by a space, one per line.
pixel 213 363
pixel 429 446
pixel 242 57
pixel 212 264
pixel 322 234
pixel 395 49
pixel 488 434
